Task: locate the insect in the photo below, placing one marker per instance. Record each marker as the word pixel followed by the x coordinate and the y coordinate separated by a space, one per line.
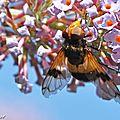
pixel 77 58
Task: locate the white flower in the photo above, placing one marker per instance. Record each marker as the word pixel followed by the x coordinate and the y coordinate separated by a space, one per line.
pixel 113 37
pixel 86 3
pixel 12 44
pixel 110 6
pixel 29 21
pixel 11 41
pixel 59 7
pixel 92 11
pixel 41 50
pixel 106 21
pixel 2 3
pixel 118 15
pixel 60 15
pixel 71 15
pixel 21 79
pixel 25 88
pixel 58 35
pixel 116 54
pixel 2 16
pixel 60 4
pixel 27 10
pixel 15 51
pixel 93 34
pixel 23 31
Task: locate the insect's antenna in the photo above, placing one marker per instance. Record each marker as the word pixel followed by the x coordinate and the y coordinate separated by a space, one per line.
pixel 87 26
pixel 119 67
pixel 76 16
pixel 85 17
pixel 86 22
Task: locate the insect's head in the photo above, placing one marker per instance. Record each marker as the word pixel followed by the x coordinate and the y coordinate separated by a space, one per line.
pixel 74 29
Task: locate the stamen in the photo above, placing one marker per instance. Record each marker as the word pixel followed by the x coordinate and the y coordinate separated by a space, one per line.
pixel 117 38
pixel 107 6
pixel 109 22
pixel 68 2
pixel 90 34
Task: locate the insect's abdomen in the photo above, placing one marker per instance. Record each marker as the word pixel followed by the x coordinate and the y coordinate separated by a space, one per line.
pixel 79 72
pixel 85 77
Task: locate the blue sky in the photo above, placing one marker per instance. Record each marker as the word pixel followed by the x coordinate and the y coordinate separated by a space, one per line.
pixel 84 105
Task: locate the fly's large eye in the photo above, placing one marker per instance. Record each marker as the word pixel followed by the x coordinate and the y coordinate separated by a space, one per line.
pixel 75 37
pixel 65 35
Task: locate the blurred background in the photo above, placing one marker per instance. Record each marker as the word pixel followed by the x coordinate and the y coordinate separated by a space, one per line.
pixel 83 105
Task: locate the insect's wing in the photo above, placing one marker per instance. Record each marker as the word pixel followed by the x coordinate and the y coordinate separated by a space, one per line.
pixel 106 87
pixel 57 76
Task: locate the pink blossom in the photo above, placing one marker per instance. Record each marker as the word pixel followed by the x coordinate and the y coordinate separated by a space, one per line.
pixel 106 21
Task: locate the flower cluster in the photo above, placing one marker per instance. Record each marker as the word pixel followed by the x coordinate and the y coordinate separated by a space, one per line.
pixel 31 30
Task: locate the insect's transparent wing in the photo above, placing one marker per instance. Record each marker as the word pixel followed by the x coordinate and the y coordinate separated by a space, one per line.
pixel 51 85
pixel 57 76
pixel 106 87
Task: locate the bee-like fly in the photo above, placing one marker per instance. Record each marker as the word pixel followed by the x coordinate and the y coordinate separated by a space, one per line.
pixel 77 58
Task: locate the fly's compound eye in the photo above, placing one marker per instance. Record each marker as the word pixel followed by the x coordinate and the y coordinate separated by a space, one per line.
pixel 75 37
pixel 65 35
